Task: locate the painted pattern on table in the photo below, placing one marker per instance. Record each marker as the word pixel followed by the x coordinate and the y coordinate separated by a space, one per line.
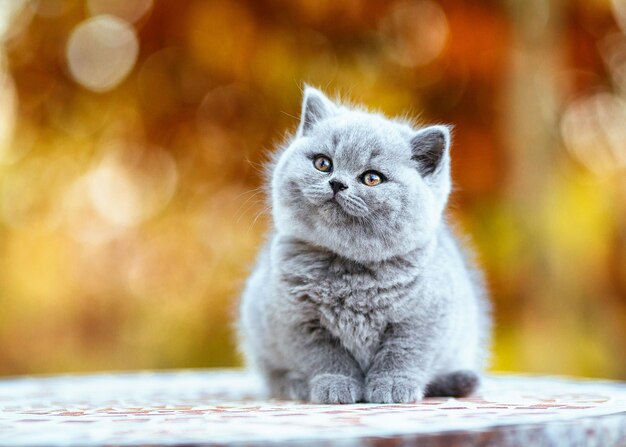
pixel 227 407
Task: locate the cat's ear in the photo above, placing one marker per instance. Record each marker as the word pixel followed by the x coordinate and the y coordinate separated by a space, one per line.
pixel 429 147
pixel 315 107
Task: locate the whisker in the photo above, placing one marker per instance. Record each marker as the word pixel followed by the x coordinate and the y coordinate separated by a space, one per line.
pixel 290 115
pixel 247 204
pixel 261 212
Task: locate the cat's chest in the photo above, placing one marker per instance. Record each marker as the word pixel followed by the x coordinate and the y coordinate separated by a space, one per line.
pixel 360 333
pixel 353 302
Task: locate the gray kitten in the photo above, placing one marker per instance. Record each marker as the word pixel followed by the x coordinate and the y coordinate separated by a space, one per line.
pixel 362 292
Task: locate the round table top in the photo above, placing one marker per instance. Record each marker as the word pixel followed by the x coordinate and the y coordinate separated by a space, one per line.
pixel 225 407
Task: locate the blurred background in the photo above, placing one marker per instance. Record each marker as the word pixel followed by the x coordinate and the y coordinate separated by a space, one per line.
pixel 132 136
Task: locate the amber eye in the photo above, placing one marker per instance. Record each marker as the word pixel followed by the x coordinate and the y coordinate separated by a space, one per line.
pixel 372 178
pixel 322 163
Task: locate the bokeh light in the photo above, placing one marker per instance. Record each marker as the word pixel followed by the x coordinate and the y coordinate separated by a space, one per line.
pixel 128 186
pixel 8 111
pixel 101 52
pixel 15 15
pixel 418 30
pixel 619 10
pixel 594 132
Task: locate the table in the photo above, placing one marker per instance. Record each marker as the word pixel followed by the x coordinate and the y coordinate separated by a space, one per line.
pixel 225 407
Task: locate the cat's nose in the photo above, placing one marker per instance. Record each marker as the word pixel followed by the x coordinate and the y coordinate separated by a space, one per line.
pixel 337 186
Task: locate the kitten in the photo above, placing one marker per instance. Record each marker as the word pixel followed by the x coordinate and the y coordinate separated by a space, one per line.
pixel 362 292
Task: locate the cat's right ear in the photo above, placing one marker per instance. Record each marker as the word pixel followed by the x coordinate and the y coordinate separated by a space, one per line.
pixel 315 107
pixel 430 148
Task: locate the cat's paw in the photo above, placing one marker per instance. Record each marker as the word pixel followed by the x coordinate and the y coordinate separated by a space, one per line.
pixel 335 389
pixel 390 389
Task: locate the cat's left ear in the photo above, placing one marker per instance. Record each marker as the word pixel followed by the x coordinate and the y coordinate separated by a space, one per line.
pixel 429 147
pixel 315 107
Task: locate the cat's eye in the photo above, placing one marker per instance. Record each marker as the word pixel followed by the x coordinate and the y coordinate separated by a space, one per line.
pixel 372 178
pixel 322 163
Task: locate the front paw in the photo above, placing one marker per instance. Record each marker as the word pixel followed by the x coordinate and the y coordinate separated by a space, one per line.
pixel 390 389
pixel 335 389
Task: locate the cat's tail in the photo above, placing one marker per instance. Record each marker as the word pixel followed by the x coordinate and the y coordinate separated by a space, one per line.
pixel 453 384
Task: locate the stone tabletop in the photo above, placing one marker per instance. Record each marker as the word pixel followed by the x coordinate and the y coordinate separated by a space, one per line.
pixel 225 407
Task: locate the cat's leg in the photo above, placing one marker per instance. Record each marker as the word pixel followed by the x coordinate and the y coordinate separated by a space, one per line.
pixel 458 383
pixel 288 385
pixel 334 375
pixel 401 368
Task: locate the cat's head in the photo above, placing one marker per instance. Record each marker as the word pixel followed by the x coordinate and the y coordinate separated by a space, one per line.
pixel 361 185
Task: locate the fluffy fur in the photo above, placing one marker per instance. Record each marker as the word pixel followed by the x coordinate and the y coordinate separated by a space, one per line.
pixel 362 293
